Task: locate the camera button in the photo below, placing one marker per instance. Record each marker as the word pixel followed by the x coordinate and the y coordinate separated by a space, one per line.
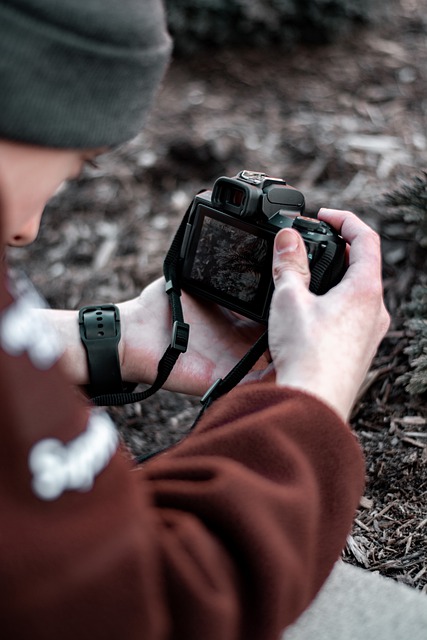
pixel 309 224
pixel 310 248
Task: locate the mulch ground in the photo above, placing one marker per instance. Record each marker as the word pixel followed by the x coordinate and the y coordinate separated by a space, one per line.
pixel 345 123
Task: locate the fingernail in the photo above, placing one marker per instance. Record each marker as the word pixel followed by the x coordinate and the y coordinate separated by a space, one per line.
pixel 286 241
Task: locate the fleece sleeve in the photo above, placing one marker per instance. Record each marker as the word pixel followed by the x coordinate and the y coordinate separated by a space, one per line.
pixel 228 535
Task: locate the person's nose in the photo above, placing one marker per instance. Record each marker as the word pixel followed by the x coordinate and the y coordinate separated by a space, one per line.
pixel 26 234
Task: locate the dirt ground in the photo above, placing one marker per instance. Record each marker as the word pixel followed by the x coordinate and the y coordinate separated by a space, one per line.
pixel 345 123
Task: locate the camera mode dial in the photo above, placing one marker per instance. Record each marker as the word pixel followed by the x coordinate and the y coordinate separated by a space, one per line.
pixel 302 223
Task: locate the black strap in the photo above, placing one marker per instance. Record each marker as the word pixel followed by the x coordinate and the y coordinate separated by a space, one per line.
pixel 99 327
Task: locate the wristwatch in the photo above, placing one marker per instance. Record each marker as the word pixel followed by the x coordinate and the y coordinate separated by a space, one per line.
pixel 99 327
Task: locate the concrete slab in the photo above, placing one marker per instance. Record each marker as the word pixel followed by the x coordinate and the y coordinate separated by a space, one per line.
pixel 355 604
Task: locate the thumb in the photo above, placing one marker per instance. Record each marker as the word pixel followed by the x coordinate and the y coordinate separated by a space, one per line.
pixel 290 257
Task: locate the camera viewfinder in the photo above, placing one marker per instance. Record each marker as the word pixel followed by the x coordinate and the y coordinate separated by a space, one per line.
pixel 235 197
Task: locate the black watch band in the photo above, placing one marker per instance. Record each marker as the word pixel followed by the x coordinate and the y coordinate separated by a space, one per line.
pixel 99 327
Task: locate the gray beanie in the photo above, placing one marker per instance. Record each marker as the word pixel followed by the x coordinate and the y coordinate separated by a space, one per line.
pixel 79 73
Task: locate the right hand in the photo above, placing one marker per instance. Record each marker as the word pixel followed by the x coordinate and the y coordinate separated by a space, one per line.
pixel 324 345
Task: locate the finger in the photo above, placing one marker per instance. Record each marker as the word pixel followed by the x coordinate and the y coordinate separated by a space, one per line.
pixel 365 250
pixel 336 217
pixel 290 258
pixel 345 222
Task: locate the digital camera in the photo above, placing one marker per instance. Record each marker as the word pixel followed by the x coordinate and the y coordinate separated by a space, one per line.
pixel 227 249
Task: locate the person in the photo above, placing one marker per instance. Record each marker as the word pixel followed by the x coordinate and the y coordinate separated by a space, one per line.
pixel 231 533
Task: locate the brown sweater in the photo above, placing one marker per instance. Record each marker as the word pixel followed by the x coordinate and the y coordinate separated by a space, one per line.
pixel 227 536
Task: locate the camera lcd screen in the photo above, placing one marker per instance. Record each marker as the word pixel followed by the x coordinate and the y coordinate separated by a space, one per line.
pixel 229 261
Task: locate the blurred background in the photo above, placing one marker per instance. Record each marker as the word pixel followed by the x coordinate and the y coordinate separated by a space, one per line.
pixel 332 96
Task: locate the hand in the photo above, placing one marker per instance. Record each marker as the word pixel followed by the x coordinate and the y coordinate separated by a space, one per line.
pixel 218 339
pixel 325 344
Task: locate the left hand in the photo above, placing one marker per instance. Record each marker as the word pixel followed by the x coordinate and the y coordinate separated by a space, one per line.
pixel 218 339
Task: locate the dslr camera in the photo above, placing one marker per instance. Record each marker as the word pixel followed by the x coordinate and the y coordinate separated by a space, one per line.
pixel 227 248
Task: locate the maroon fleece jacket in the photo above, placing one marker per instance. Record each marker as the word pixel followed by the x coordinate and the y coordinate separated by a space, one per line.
pixel 227 536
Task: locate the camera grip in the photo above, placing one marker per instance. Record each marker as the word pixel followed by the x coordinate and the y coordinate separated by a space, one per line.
pixel 328 270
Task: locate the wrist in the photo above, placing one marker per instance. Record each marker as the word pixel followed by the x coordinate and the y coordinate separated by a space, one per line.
pixel 133 353
pixel 334 392
pixel 137 364
pixel 125 319
pixel 66 325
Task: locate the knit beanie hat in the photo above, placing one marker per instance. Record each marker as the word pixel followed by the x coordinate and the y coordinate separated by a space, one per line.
pixel 79 73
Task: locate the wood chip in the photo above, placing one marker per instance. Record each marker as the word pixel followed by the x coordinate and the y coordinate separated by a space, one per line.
pixel 366 503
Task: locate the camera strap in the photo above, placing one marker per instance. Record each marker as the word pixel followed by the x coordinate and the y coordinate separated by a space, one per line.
pixel 179 342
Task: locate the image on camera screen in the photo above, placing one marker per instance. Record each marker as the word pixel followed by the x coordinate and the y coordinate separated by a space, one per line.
pixel 230 260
